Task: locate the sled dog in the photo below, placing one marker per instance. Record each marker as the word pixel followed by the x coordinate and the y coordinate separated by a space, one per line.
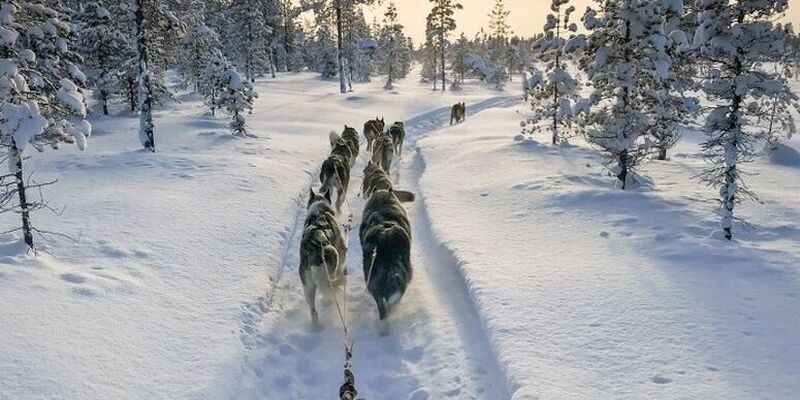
pixel 398 134
pixel 349 137
pixel 385 236
pixel 375 178
pixel 383 152
pixel 335 174
pixel 458 113
pixel 323 252
pixel 372 129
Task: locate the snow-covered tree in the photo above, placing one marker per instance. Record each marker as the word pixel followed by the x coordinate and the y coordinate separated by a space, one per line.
pixel 359 46
pixel 498 20
pixel 440 22
pixel 246 43
pixel 666 101
pixel 751 102
pixel 460 54
pixel 393 53
pixel 41 103
pixel 151 20
pixel 553 97
pixel 198 46
pixel 105 45
pixel 235 96
pixel 622 54
pixel 211 79
pixel 430 59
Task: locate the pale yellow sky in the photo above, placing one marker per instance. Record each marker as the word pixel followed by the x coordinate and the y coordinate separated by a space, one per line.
pixel 527 16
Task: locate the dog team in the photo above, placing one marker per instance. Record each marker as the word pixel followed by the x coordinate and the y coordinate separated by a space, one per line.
pixel 385 232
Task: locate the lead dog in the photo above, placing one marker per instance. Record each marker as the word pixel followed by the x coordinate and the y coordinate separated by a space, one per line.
pixel 335 174
pixel 385 235
pixel 458 113
pixel 322 252
pixel 372 129
pixel 398 134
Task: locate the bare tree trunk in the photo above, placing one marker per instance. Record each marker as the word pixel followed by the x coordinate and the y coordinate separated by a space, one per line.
pixel 16 158
pixel 146 134
pixel 339 44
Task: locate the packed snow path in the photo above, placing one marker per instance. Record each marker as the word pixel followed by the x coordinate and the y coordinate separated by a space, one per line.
pixel 436 348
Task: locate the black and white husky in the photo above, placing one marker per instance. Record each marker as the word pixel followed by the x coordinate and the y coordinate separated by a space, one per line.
pixel 335 174
pixel 385 235
pixel 398 134
pixel 383 152
pixel 323 252
pixel 372 129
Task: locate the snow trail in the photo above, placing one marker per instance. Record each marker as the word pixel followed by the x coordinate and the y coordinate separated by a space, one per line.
pixel 436 348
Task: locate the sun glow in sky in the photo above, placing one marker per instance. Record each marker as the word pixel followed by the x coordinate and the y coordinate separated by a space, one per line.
pixel 527 16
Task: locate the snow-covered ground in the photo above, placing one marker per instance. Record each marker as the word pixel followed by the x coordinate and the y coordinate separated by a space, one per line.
pixel 587 291
pixel 534 277
pixel 179 250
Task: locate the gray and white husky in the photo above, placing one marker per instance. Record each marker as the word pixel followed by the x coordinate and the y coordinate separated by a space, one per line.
pixel 375 178
pixel 385 235
pixel 372 129
pixel 383 152
pixel 458 113
pixel 335 174
pixel 350 138
pixel 398 134
pixel 323 252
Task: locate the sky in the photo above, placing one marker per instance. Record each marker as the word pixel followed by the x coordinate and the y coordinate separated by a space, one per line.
pixel 526 18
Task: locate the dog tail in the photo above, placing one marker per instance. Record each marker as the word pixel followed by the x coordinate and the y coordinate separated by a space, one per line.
pixel 404 196
pixel 334 137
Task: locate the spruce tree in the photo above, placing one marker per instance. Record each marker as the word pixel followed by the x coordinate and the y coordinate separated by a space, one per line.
pixel 40 103
pixel 736 38
pixel 440 23
pixel 622 55
pixel 552 99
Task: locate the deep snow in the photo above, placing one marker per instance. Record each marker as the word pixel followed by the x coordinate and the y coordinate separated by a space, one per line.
pixel 534 276
pixel 588 291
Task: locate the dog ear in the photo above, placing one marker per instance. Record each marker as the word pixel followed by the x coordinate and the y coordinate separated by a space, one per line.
pixel 311 194
pixel 328 196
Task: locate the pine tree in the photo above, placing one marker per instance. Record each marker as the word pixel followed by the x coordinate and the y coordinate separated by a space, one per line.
pixel 151 20
pixel 735 38
pixel 621 57
pixel 498 20
pixel 105 45
pixel 40 102
pixel 552 98
pixel 430 56
pixel 666 102
pixel 246 42
pixel 393 49
pixel 460 55
pixel 198 46
pixel 440 23
pixel 235 98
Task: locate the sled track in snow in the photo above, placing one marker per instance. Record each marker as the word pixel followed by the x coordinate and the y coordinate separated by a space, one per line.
pixel 437 347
